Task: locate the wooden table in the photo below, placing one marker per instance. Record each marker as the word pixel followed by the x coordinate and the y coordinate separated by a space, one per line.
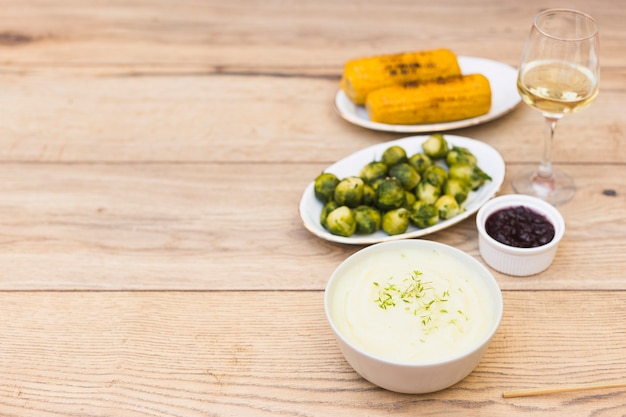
pixel 153 155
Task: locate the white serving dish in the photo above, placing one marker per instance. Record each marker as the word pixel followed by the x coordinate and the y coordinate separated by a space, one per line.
pixel 489 159
pixel 413 367
pixel 505 98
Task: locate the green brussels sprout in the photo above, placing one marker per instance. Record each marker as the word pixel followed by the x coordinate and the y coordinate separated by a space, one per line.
pixel 435 146
pixel 394 155
pixel 328 207
pixel 368 220
pixel 341 222
pixel 435 175
pixel 324 186
pixel 420 161
pixel 349 192
pixel 423 214
pixel 409 199
pixel 396 221
pixel 390 194
pixel 447 207
pixel 406 174
pixel 459 155
pixel 472 174
pixel 377 182
pixel 369 195
pixel 457 188
pixel 373 170
pixel 427 192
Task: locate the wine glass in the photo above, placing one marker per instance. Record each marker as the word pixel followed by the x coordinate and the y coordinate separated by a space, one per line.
pixel 558 74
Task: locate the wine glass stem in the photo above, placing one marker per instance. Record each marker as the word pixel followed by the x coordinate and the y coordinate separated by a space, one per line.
pixel 545 169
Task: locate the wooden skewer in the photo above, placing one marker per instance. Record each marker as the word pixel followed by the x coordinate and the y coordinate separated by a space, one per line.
pixel 563 388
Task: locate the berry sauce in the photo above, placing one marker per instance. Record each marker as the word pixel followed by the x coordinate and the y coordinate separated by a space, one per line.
pixel 520 227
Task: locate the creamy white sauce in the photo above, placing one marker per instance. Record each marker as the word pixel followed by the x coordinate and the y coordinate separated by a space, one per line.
pixel 440 315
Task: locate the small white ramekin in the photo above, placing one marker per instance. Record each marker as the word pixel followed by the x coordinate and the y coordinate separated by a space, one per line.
pixel 512 260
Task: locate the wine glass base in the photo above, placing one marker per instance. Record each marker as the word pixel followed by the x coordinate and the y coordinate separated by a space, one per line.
pixel 556 189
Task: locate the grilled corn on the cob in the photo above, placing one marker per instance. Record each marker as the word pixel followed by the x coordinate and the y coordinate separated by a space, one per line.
pixel 446 100
pixel 363 75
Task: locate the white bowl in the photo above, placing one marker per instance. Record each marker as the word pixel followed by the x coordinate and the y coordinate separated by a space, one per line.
pixel 514 260
pixel 408 347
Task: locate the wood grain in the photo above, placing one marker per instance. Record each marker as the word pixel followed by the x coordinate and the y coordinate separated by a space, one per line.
pixel 226 226
pixel 164 35
pixel 153 262
pixel 225 118
pixel 273 353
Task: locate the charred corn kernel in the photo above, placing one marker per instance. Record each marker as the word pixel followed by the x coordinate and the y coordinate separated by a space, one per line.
pixel 454 98
pixel 363 75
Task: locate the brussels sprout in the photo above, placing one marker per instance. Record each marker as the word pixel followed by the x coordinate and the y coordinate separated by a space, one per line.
pixel 373 170
pixel 406 174
pixel 447 206
pixel 423 214
pixel 457 188
pixel 328 207
pixel 396 221
pixel 471 174
pixel 420 161
pixel 459 155
pixel 368 220
pixel 435 175
pixel 377 182
pixel 409 199
pixel 435 146
pixel 427 192
pixel 369 195
pixel 341 222
pixel 390 194
pixel 349 192
pixel 394 155
pixel 324 186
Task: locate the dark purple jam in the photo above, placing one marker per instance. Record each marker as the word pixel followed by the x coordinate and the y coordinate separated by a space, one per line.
pixel 520 227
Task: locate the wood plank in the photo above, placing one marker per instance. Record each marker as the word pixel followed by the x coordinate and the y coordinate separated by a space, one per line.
pixel 225 118
pixel 225 353
pixel 236 226
pixel 192 35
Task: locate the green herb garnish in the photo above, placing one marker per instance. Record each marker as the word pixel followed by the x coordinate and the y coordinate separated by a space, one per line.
pixel 419 298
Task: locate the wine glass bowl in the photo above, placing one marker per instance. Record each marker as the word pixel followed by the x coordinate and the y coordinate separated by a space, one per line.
pixel 559 73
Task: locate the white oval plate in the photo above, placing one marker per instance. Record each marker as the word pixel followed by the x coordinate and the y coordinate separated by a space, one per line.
pixel 488 158
pixel 504 98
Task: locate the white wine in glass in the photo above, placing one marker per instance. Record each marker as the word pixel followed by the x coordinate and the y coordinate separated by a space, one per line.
pixel 559 73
